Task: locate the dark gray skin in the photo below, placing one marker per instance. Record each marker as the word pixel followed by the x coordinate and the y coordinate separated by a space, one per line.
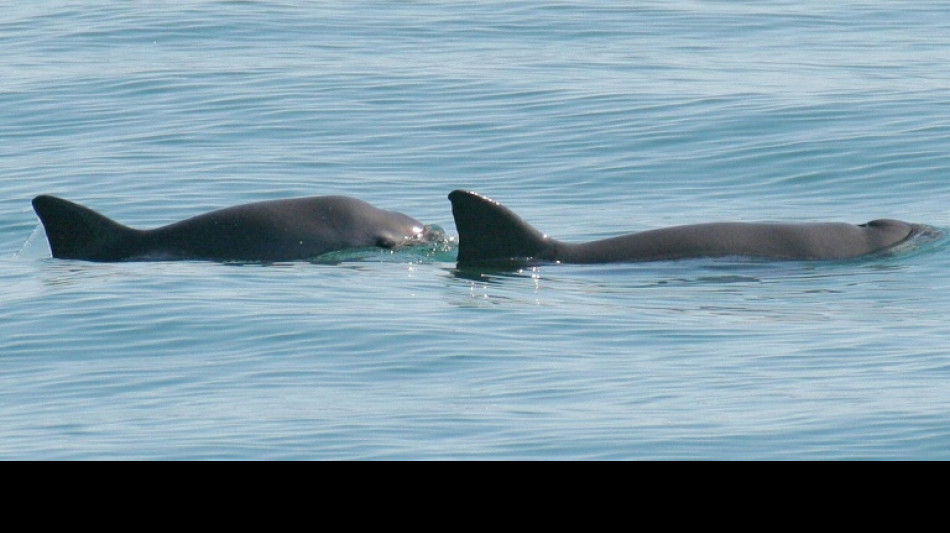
pixel 490 233
pixel 283 230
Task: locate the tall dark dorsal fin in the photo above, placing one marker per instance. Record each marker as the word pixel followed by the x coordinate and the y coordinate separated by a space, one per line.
pixel 491 233
pixel 77 232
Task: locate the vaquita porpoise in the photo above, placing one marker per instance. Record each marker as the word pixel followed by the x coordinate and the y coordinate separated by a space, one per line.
pixel 282 230
pixel 490 233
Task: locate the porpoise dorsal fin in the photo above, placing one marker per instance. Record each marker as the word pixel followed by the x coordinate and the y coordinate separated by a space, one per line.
pixel 491 233
pixel 77 232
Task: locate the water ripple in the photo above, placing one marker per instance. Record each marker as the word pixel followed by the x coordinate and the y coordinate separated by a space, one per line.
pixel 590 119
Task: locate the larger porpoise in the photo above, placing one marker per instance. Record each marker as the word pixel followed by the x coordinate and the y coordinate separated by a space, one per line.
pixel 281 230
pixel 491 233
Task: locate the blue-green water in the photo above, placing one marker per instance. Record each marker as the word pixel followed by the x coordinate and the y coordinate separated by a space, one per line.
pixel 590 119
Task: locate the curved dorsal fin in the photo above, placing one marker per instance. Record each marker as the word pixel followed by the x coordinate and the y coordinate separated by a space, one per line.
pixel 491 233
pixel 77 232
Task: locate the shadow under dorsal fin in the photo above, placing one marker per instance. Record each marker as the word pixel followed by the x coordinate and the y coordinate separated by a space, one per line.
pixel 491 233
pixel 77 232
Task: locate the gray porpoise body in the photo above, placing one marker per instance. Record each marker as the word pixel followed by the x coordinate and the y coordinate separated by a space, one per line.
pixel 490 233
pixel 282 230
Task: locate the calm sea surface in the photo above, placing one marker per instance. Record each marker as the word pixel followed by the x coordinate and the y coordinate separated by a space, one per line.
pixel 590 119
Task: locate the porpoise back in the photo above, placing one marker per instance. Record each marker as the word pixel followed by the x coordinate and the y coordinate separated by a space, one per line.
pixel 490 233
pixel 282 230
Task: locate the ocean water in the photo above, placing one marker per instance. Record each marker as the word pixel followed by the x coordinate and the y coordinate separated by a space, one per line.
pixel 588 118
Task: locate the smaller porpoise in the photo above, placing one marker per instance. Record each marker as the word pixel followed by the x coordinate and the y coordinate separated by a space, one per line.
pixel 282 230
pixel 490 233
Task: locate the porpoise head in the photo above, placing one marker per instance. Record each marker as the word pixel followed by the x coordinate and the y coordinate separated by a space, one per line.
pixel 885 233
